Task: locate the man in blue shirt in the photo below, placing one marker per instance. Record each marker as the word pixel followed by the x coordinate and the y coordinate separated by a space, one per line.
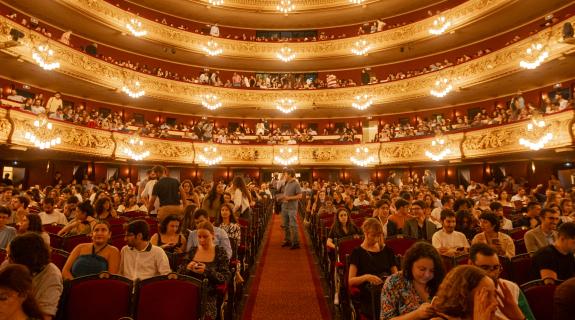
pixel 221 237
pixel 7 233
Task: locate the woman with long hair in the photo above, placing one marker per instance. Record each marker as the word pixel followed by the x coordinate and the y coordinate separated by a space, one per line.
pixel 241 198
pixel 228 223
pixel 82 223
pixel 169 237
pixel 214 199
pixel 189 194
pixel 33 223
pixel 16 292
pixel 343 226
pixel 104 210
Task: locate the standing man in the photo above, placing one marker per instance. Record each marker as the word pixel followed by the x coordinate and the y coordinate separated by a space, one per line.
pixel 289 198
pixel 167 189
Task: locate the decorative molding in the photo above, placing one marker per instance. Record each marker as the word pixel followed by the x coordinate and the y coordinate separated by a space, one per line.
pixel 489 142
pixel 117 18
pixel 271 5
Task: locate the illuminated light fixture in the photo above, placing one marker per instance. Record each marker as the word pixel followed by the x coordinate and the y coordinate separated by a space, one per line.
pixel 286 105
pixel 356 1
pixel 440 25
pixel 439 148
pixel 210 156
pixel 285 6
pixel 42 134
pixel 286 54
pixel 534 56
pixel 136 149
pixel 361 47
pixel 43 56
pixel 216 2
pixel 135 27
pixel 362 157
pixel 134 91
pixel 212 48
pixel 211 101
pixel 537 135
pixel 441 88
pixel 362 102
pixel 286 156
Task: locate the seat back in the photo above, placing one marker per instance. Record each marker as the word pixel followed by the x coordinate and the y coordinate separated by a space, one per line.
pixel 540 297
pixel 169 297
pixel 113 294
pixel 3 255
pixel 519 269
pixel 72 241
pixel 58 257
pixel 399 245
pixel 345 246
pixel 52 228
pixel 517 233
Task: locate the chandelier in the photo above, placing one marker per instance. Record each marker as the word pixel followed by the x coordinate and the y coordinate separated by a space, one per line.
pixel 441 88
pixel 534 56
pixel 286 156
pixel 356 1
pixel 286 105
pixel 210 155
pixel 212 48
pixel 134 91
pixel 362 102
pixel 361 47
pixel 362 157
pixel 135 27
pixel 211 101
pixel 286 54
pixel 41 134
pixel 285 6
pixel 440 24
pixel 537 135
pixel 216 2
pixel 43 56
pixel 439 148
pixel 136 149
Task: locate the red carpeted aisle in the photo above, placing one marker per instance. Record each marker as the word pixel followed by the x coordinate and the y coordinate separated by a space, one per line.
pixel 287 284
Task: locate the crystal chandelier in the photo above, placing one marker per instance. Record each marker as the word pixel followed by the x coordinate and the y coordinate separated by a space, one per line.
pixel 362 102
pixel 286 105
pixel 210 155
pixel 216 2
pixel 537 134
pixel 361 47
pixel 441 88
pixel 212 48
pixel 41 134
pixel 439 148
pixel 136 149
pixel 534 56
pixel 211 101
pixel 362 157
pixel 286 156
pixel 285 6
pixel 134 91
pixel 286 54
pixel 440 24
pixel 43 56
pixel 135 27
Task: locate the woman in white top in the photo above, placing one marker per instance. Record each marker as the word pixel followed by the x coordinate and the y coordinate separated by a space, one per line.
pixel 241 198
pixel 501 242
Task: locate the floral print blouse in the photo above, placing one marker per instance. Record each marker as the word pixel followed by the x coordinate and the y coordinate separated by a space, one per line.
pixel 398 297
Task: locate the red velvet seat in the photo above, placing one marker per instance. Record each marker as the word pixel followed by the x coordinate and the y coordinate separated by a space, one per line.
pixel 97 297
pixel 517 233
pixel 518 268
pixel 134 214
pixel 399 245
pixel 72 241
pixel 540 298
pixel 58 257
pixel 52 228
pixel 169 297
pixel 118 241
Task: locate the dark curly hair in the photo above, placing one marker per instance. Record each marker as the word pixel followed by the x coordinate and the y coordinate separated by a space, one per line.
pixel 34 223
pixel 454 297
pixel 30 250
pixel 18 278
pixel 422 250
pixel 164 224
pixel 492 218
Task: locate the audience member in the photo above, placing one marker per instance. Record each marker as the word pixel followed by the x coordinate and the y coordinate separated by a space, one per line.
pixel 32 223
pixel 221 237
pixel 342 227
pixel 167 190
pixel 83 221
pixel 544 234
pixel 499 241
pixel 381 213
pixel 169 237
pixel 51 215
pixel 419 227
pixel 556 261
pixel 447 240
pixel 16 290
pixel 7 233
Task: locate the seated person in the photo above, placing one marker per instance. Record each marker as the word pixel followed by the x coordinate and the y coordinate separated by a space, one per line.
pixel 343 226
pixel 139 259
pixel 485 257
pixel 370 263
pixel 447 240
pixel 408 294
pixel 227 221
pixel 221 237
pixel 169 237
pixel 401 214
pixel 82 223
pixel 497 208
pixel 131 205
pixel 7 233
pixel 501 242
pixel 556 261
pixel 16 283
pixel 530 219
pixel 51 215
pixel 543 235
pixel 104 210
pixel 466 223
pixel 419 227
pixel 30 250
pixel 95 257
pixel 32 223
pixel 381 213
pixel 208 261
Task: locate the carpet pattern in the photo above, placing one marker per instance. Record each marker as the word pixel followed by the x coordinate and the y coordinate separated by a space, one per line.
pixel 287 284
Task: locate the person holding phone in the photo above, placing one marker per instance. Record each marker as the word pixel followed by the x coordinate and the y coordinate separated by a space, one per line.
pixel 169 237
pixel 500 242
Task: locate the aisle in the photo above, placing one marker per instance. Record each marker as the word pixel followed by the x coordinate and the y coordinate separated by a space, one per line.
pixel 287 285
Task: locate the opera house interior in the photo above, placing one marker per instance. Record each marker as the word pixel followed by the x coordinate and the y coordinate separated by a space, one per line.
pixel 287 159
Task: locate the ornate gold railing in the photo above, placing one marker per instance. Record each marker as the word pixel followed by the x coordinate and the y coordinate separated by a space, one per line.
pixel 88 68
pixel 117 18
pixel 488 142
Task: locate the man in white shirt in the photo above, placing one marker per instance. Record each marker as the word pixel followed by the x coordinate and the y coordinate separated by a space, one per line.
pixel 139 258
pixel 147 193
pixel 51 215
pixel 448 241
pixel 14 96
pixel 54 103
pixel 214 30
pixel 361 200
pixel 520 196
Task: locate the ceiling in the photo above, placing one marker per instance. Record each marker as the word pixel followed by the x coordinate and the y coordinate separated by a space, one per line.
pixel 507 18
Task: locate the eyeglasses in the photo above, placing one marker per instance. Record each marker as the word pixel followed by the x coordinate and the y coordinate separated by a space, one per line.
pixel 489 268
